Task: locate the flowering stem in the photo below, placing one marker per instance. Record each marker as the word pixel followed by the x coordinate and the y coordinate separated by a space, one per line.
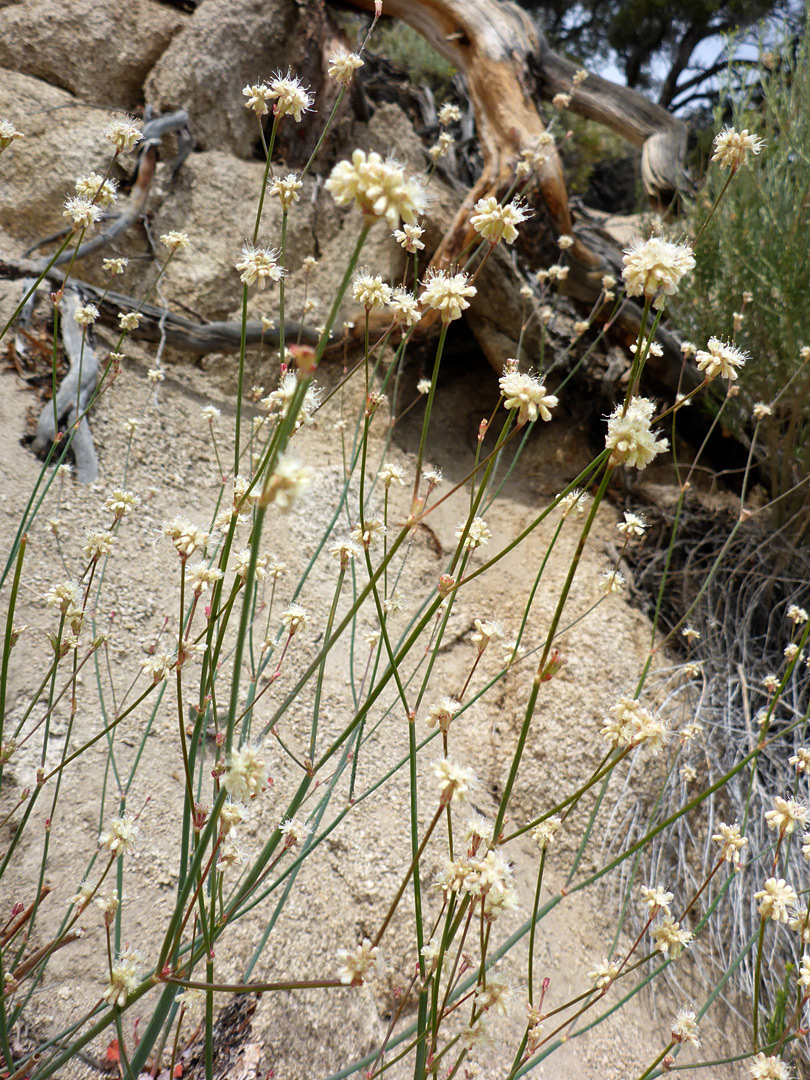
pixel 240 380
pixel 267 167
pixel 714 207
pixel 534 925
pixel 657 1061
pixel 43 274
pixel 254 988
pixel 281 296
pixel 319 684
pixel 319 143
pixel 530 707
pixel 324 339
pixel 757 976
pixel 12 603
pixel 428 407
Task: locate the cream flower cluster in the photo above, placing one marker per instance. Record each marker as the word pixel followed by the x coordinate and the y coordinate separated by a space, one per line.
pixel 489 880
pixel 720 358
pixel 732 148
pixel 633 725
pixel 290 478
pixel 123 978
pixel 120 835
pixel 629 437
pixel 355 964
pixel 655 267
pixel 8 133
pixel 455 780
pixel 496 222
pixel 527 394
pixel 245 773
pixel 342 66
pixel 447 293
pixel 258 265
pixel 378 187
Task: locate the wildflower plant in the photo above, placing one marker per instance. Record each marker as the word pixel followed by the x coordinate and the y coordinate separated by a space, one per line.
pixel 747 295
pixel 248 671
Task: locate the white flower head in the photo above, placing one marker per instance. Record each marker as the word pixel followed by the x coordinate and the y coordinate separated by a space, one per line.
pixel 370 290
pixel 721 358
pixel 670 939
pixel 295 618
pixel 732 148
pixel 123 133
pixel 285 189
pixel 289 480
pixel 404 307
pixel 245 773
pixel 685 1029
pixel 447 293
pixel 477 535
pixel 544 833
pixel 527 394
pixel 120 835
pixel 409 237
pixel 295 832
pixel 291 98
pixel 175 240
pixel 258 95
pixel 633 525
pixel 81 211
pixel 655 267
pixel 731 842
pixel 776 899
pixel 442 712
pixel 449 113
pixel 797 615
pixel 455 781
pixel 123 978
pixel 258 265
pixel 8 133
pixel 768 1067
pixel 788 814
pixel 342 66
pixel 97 189
pixel 603 974
pixel 656 899
pixel 495 222
pixel 629 437
pixel 355 964
pixel 85 314
pixel 379 188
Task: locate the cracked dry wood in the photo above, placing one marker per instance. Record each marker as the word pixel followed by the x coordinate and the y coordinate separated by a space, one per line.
pixel 508 65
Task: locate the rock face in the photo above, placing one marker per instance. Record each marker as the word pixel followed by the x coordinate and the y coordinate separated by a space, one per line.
pixel 221 49
pixel 99 50
pixel 62 141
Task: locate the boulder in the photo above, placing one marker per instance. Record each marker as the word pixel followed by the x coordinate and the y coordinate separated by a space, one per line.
pixel 99 50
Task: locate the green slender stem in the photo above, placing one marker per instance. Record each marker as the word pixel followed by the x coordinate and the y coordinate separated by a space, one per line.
pixel 240 380
pixel 7 646
pixel 534 924
pixel 530 707
pixel 316 708
pixel 428 409
pixel 757 979
pixel 42 275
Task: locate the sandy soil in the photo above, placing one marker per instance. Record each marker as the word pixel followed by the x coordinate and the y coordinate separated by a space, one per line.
pixel 343 896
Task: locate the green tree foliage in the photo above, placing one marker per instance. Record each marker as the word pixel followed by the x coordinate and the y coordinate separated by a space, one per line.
pixel 656 42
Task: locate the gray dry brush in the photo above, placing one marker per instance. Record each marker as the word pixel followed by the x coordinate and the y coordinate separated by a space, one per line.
pixel 449 1015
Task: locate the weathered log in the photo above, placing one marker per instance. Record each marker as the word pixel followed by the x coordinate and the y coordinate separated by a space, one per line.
pixel 508 66
pixel 158 323
pixel 73 395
